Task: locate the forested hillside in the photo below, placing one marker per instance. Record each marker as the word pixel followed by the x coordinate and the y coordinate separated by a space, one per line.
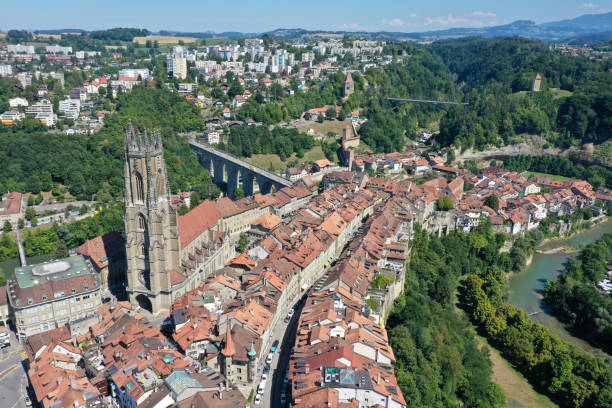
pixel 438 361
pixel 91 166
pixel 491 72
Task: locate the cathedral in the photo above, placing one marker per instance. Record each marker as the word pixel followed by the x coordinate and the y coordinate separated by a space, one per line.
pixel 167 255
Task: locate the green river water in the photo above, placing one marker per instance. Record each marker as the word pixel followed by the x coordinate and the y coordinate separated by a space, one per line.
pixel 525 288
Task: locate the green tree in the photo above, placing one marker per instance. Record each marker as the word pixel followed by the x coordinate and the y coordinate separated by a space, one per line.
pixel 492 201
pixel 7 227
pixel 21 224
pixel 30 213
pixel 445 203
pixel 331 113
pixel 243 242
pixel 238 194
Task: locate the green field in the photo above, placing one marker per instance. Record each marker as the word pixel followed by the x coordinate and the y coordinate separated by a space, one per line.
pixel 265 160
pixel 529 174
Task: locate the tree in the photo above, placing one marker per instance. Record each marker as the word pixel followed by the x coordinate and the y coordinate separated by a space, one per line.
pixel 331 113
pixel 320 118
pixel 21 224
pixel 7 227
pixel 492 201
pixel 243 242
pixel 238 194
pixel 445 203
pixel 30 213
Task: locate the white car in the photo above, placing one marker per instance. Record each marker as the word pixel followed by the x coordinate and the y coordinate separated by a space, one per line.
pixel 290 314
pixel 269 359
pixel 257 399
pixel 264 377
pixel 262 387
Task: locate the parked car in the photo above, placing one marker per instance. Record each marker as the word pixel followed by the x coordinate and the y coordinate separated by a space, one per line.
pixel 258 399
pixel 28 401
pixel 290 314
pixel 274 346
pixel 269 359
pixel 264 377
pixel 262 387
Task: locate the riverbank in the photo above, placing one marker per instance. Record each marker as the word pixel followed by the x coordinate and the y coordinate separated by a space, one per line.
pixel 525 288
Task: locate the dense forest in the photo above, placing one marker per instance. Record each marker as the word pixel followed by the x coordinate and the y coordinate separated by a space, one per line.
pixel 438 362
pixel 570 376
pixel 598 176
pixel 494 75
pixel 246 141
pixel 91 166
pixel 575 301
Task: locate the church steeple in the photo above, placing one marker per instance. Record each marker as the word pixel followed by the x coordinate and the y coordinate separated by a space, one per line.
pixel 152 244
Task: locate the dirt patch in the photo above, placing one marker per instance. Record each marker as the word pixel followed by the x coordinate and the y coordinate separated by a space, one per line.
pixel 164 39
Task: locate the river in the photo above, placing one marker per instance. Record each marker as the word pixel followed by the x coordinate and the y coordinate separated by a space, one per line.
pixel 525 288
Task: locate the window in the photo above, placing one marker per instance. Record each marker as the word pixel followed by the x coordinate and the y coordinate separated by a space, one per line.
pixel 86 287
pixel 73 290
pixel 44 297
pixel 139 187
pixel 142 223
pixel 85 297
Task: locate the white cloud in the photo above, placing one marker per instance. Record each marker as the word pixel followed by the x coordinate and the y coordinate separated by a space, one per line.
pixel 474 19
pixel 587 6
pixel 395 22
pixel 412 15
pixel 483 14
pixel 350 26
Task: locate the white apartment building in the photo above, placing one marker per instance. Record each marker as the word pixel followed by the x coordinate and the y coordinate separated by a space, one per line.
pixel 71 108
pixel 5 70
pixel 177 66
pixel 21 49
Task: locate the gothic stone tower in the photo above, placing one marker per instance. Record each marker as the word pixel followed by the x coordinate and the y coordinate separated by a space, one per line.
pixel 152 241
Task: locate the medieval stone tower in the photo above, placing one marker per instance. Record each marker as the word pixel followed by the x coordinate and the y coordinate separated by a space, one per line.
pixel 152 241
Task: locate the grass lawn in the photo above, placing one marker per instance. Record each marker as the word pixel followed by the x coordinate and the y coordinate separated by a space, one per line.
pixel 561 93
pixel 529 174
pixel 333 126
pixel 264 160
pixel 519 393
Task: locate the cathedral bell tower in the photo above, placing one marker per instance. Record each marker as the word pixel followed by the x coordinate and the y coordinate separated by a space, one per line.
pixel 152 241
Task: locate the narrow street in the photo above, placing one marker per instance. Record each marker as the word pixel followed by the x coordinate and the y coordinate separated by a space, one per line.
pixel 285 334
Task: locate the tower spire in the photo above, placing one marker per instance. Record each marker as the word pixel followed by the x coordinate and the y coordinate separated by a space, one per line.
pixel 229 349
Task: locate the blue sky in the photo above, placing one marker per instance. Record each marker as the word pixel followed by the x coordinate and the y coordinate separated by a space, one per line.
pixel 265 15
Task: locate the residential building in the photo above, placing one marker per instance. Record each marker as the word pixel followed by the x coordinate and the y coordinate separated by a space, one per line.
pixel 51 294
pixel 71 108
pixel 57 49
pixel 21 49
pixel 5 70
pixel 12 208
pixel 177 67
pixel 143 73
pixel 43 107
pixel 17 102
pixel 9 118
pixel 107 255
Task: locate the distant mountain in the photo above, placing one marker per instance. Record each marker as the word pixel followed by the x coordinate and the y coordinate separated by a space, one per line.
pixel 586 28
pixel 554 31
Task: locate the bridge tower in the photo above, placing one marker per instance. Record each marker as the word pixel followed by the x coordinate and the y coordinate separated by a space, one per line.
pixel 151 228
